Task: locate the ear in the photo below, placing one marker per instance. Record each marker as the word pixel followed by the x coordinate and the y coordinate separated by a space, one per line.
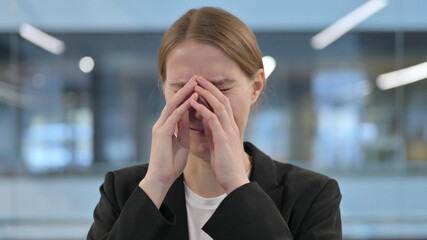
pixel 257 85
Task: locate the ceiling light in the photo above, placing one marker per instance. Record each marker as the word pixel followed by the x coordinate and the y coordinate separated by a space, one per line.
pixel 346 23
pixel 41 39
pixel 269 65
pixel 86 64
pixel 402 77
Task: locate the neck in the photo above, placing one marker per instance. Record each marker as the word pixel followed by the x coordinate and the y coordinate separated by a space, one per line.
pixel 200 178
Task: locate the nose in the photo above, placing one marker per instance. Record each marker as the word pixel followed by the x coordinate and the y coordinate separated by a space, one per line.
pixel 202 101
pixel 196 115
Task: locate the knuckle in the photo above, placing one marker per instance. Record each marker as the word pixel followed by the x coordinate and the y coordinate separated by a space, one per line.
pixel 174 113
pixel 165 108
pixel 169 104
pixel 212 117
pixel 237 130
pixel 221 107
pixel 236 134
pixel 225 100
pixel 154 130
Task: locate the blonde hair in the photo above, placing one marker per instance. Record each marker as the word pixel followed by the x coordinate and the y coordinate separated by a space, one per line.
pixel 217 27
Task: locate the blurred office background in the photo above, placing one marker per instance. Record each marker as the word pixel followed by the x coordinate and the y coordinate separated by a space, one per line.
pixel 81 101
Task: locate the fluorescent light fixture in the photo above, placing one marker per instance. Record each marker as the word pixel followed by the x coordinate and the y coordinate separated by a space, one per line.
pixel 402 77
pixel 86 64
pixel 269 65
pixel 41 39
pixel 346 23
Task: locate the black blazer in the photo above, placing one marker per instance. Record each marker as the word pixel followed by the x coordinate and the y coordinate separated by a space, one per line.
pixel 282 201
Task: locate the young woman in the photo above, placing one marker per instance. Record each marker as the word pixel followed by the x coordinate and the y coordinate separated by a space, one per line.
pixel 203 181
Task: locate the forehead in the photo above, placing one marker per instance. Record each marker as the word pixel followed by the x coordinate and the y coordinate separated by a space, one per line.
pixel 189 58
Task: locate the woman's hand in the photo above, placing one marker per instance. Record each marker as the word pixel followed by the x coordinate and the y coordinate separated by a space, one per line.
pixel 226 148
pixel 169 153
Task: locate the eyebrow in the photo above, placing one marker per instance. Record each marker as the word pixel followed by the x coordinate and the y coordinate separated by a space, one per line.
pixel 216 83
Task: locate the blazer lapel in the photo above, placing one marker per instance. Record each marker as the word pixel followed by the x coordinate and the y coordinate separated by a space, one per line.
pixel 264 172
pixel 175 200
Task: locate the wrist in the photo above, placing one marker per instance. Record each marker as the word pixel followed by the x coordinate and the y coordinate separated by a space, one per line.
pixel 154 183
pixel 155 189
pixel 236 184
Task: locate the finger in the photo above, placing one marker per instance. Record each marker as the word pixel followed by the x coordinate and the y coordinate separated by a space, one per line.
pixel 176 115
pixel 208 132
pixel 218 107
pixel 209 119
pixel 177 99
pixel 184 130
pixel 218 94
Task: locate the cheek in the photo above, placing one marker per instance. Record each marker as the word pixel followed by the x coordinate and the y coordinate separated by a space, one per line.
pixel 168 94
pixel 240 107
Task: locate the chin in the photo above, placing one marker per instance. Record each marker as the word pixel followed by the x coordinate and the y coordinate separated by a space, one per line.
pixel 200 149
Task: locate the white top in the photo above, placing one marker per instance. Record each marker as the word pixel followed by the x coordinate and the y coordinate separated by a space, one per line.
pixel 199 210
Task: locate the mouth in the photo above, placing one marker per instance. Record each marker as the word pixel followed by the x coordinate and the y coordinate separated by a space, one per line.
pixel 198 131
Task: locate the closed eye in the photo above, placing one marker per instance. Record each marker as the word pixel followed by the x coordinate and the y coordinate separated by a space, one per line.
pixel 224 90
pixel 175 90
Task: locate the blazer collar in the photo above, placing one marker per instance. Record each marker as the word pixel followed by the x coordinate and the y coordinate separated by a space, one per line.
pixel 263 168
pixel 264 172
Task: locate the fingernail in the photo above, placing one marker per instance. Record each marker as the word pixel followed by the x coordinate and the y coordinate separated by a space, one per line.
pixel 191 79
pixel 201 79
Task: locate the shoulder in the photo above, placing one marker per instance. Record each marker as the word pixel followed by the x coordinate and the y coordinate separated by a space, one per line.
pixel 296 183
pixel 129 175
pixel 306 193
pixel 304 182
pixel 123 182
pixel 294 175
pixel 309 200
pixel 303 197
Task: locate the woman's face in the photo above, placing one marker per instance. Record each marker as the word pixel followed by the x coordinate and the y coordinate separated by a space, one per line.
pixel 192 58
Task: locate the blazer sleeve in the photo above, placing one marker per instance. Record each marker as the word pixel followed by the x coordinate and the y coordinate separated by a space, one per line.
pixel 139 218
pixel 249 213
pixel 323 219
